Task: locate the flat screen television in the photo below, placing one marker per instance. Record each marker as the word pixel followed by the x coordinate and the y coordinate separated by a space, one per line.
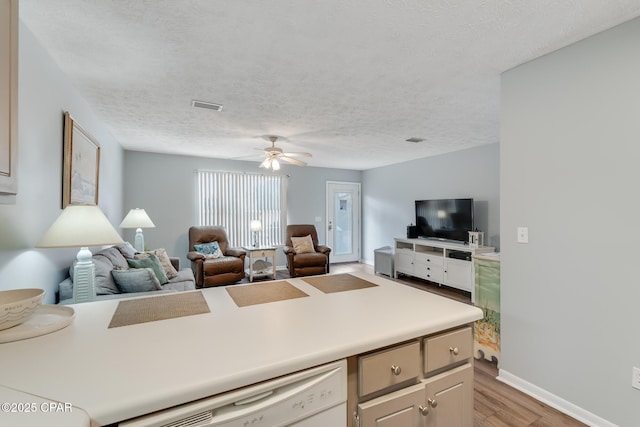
pixel 446 219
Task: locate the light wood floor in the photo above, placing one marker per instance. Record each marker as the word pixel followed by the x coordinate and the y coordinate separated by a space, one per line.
pixel 495 403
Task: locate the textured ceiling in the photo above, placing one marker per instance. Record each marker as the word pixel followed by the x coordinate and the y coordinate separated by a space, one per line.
pixel 347 80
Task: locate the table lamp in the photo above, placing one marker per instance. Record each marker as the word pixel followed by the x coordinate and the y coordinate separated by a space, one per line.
pixel 256 226
pixel 137 218
pixel 83 226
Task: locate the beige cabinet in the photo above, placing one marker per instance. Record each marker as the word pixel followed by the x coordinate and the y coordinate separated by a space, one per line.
pixel 427 382
pixel 399 408
pixel 449 398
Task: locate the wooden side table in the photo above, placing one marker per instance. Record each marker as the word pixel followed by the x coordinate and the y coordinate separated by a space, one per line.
pixel 257 252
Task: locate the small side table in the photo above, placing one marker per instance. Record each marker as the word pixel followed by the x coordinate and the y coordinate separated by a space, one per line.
pixel 256 252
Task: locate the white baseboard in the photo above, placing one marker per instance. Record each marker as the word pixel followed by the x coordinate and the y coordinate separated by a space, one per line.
pixel 552 400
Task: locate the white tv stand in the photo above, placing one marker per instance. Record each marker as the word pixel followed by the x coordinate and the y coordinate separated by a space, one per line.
pixel 431 260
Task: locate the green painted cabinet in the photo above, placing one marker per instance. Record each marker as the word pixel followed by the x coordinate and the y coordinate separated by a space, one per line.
pixel 487 330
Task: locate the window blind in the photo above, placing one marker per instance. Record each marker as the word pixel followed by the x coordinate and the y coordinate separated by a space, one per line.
pixel 233 200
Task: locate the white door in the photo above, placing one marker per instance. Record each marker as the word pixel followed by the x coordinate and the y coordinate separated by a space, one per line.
pixel 343 221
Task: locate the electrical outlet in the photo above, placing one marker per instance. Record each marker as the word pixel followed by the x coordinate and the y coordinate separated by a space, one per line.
pixel 523 235
pixel 635 378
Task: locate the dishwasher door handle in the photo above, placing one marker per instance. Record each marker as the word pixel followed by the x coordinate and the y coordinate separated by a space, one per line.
pixel 253 398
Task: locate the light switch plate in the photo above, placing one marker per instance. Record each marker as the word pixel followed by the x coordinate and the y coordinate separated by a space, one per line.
pixel 523 234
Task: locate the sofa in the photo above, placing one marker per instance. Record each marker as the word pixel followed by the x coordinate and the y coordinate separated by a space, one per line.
pixel 122 272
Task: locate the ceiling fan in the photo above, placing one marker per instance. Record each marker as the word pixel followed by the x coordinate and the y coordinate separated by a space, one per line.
pixel 275 155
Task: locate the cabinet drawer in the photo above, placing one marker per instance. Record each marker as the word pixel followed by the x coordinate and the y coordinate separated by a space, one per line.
pixel 434 273
pixel 262 254
pixel 386 368
pixel 429 258
pixel 445 349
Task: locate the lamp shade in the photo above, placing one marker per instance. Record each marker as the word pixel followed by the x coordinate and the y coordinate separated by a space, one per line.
pixel 137 218
pixel 80 226
pixel 256 225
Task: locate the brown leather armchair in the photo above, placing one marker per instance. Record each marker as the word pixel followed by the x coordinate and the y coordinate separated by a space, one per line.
pixel 306 264
pixel 214 271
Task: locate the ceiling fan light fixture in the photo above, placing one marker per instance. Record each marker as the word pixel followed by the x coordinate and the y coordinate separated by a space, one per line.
pixel 206 105
pixel 266 163
pixel 275 165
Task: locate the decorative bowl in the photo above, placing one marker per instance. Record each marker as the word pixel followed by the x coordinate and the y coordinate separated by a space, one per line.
pixel 17 305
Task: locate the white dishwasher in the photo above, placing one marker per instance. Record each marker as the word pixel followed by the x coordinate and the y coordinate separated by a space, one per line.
pixel 316 397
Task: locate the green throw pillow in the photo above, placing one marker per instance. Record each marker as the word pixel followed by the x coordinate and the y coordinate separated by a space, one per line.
pixel 136 280
pixel 153 262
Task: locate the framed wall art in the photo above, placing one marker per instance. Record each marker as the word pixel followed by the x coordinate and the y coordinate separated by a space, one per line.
pixel 81 169
pixel 9 98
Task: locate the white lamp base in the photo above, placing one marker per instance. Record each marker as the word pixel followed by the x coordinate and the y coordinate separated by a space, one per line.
pixel 84 277
pixel 139 241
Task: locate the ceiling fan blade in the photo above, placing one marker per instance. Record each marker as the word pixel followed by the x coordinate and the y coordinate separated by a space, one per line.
pixel 291 160
pixel 298 154
pixel 244 157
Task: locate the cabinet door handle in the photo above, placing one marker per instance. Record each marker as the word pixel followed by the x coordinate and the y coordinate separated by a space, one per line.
pixel 396 370
pixel 454 350
pixel 424 410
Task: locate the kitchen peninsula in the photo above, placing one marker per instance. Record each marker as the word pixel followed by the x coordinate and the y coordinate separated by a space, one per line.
pixel 118 373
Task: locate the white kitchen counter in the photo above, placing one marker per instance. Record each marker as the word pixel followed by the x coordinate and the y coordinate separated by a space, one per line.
pixel 120 373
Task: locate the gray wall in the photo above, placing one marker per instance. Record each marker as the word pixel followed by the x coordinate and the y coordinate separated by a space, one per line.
pixel 570 146
pixel 389 193
pixel 164 185
pixel 44 94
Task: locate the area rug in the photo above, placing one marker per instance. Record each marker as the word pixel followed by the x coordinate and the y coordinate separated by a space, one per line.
pixel 151 309
pixel 338 283
pixel 260 293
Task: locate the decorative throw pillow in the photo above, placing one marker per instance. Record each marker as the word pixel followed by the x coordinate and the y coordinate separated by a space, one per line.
pixel 209 250
pixel 165 261
pixel 126 250
pixel 303 245
pixel 150 261
pixel 136 280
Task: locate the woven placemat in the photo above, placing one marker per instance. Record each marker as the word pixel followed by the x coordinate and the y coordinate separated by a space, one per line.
pixel 338 283
pixel 264 292
pixel 150 309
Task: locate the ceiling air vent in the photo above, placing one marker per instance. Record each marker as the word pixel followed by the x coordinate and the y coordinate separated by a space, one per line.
pixel 207 105
pixel 416 140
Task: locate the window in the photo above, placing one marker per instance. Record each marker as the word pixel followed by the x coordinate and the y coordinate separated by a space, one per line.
pixel 234 199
